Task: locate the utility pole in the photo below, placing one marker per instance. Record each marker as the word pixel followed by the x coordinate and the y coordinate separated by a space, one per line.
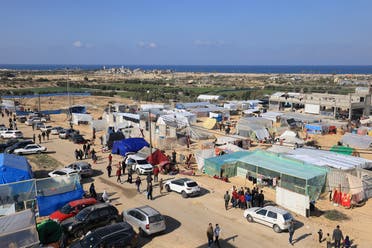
pixel 150 131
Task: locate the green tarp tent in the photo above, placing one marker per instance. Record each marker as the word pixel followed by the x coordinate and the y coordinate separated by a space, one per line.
pixel 342 150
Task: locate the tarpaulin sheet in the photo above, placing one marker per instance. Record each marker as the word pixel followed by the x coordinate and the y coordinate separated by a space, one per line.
pixel 18 230
pixel 128 145
pixel 157 157
pixel 356 141
pixel 14 168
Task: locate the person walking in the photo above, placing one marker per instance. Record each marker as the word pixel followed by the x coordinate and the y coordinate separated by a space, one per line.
pixel 174 156
pixel 320 235
pixel 92 191
pixel 149 179
pixel 123 166
pixel 291 232
pixel 39 137
pixel 118 174
pixel 43 135
pixel 86 153
pixel 217 231
pixel 110 158
pixel 76 154
pixel 161 185
pixel 47 134
pixel 33 138
pixel 156 173
pixel 138 184
pixel 347 242
pixel 261 199
pixel 81 154
pixel 329 241
pixel 109 169
pixel 227 198
pixel 337 236
pixel 210 234
pixel 149 191
pixel 129 180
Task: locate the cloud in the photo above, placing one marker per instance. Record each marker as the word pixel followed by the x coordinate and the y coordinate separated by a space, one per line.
pixel 208 43
pixel 143 44
pixel 80 44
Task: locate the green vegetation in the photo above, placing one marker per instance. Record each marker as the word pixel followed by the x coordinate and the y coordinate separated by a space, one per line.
pixel 335 215
pixel 44 161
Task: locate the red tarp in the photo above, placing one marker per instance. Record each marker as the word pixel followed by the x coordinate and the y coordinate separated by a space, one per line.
pixel 157 158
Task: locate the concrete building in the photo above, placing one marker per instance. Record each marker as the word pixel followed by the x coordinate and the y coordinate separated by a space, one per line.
pixel 351 106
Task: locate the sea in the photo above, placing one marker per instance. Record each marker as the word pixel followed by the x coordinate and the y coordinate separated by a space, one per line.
pixel 267 69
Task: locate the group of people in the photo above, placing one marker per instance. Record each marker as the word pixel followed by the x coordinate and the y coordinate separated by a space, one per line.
pixel 244 199
pixel 84 153
pixel 213 235
pixel 337 238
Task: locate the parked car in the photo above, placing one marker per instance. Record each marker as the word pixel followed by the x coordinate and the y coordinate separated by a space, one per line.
pixel 22 118
pixel 56 130
pixel 7 144
pixel 38 125
pixel 67 132
pixel 77 139
pixel 62 172
pixel 3 129
pixel 187 187
pixel 17 145
pixel 30 149
pixel 147 219
pixel 82 167
pixel 11 134
pixel 31 121
pixel 89 218
pixel 115 235
pixel 71 209
pixel 139 164
pixel 45 128
pixel 276 218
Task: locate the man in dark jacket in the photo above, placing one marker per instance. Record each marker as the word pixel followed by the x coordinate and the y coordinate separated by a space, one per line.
pixel 210 234
pixel 227 197
pixel 261 199
pixel 337 236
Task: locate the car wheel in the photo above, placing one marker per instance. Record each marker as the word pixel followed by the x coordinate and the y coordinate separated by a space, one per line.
pixel 142 233
pixel 277 229
pixel 249 218
pixel 167 188
pixel 184 194
pixel 79 233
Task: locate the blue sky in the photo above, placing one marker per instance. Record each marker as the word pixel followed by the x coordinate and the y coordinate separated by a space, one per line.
pixel 192 32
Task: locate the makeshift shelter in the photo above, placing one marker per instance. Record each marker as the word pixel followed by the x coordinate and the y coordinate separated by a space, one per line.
pixel 272 116
pixel 78 119
pixel 356 141
pixel 254 127
pixel 18 230
pixel 14 168
pixel 209 98
pixel 111 137
pixel 158 158
pixel 128 145
pixel 53 193
pixel 210 123
pixel 345 150
pixel 188 105
pixel 316 128
pixel 264 166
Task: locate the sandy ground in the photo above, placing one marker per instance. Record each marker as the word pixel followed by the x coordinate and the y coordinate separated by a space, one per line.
pixel 187 219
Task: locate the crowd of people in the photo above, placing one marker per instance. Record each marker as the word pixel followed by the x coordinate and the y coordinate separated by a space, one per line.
pixel 244 198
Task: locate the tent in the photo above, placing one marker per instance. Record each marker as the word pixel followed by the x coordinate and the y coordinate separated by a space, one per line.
pixel 314 128
pixel 111 137
pixel 345 150
pixel 356 141
pixel 128 145
pixel 18 230
pixel 157 157
pixel 81 118
pixel 14 168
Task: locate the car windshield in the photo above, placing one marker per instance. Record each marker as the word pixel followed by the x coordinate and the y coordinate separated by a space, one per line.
pixel 192 184
pixel 66 209
pixel 81 215
pixel 142 161
pixel 156 218
pixel 287 216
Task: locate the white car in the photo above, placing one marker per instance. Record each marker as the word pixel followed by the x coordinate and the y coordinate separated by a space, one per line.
pixel 30 149
pixel 139 164
pixel 11 134
pixel 56 130
pixel 62 172
pixel 31 121
pixel 147 219
pixel 185 186
pixel 46 128
pixel 276 218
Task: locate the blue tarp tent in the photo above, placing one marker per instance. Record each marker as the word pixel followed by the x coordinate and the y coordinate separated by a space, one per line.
pixel 128 145
pixel 314 128
pixel 14 168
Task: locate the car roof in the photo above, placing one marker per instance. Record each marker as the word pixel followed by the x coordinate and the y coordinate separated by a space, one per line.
pixel 82 201
pixel 112 229
pixel 97 206
pixel 276 210
pixel 67 170
pixel 184 179
pixel 136 157
pixel 149 211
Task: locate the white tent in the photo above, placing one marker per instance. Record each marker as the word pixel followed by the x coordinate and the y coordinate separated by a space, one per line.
pixel 18 230
pixel 200 155
pixel 209 97
pixel 79 118
pixel 356 141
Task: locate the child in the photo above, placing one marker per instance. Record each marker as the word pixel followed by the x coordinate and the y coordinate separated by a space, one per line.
pixel 320 235
pixel 329 241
